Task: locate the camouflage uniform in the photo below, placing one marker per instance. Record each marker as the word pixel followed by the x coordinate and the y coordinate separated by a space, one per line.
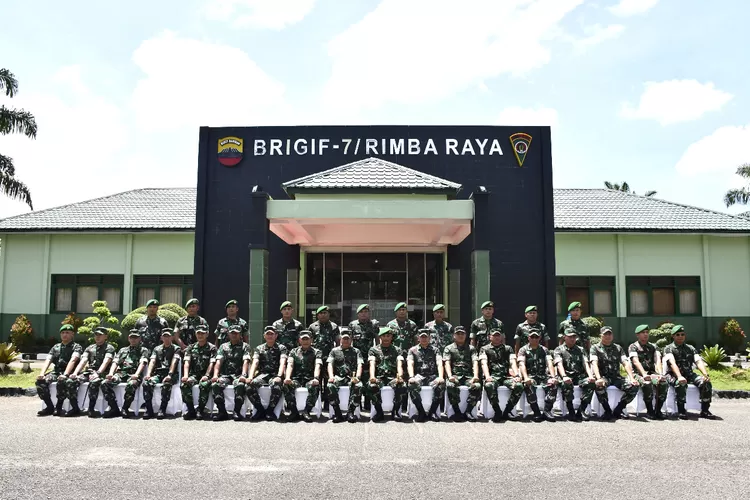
pixel 232 357
pixel 288 332
pixel 200 358
pixel 128 360
pixel 162 357
pixel 461 360
pixel 59 356
pixel 608 359
pixel 345 363
pixel 684 356
pixel 186 326
pixel 364 334
pixel 523 329
pixel 269 359
pixel 324 336
pixel 646 354
pixel 386 360
pixel 95 355
pixel 303 365
pixel 535 361
pixel 574 362
pixel 579 326
pixel 222 329
pixel 480 331
pixel 425 361
pixel 150 330
pixel 441 334
pixel 499 362
pixel 404 334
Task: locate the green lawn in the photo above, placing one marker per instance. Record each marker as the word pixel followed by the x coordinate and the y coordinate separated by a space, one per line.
pixel 727 378
pixel 18 379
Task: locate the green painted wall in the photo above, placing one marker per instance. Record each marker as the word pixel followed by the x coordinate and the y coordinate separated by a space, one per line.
pixel 729 265
pixel 585 255
pixel 163 253
pixel 663 255
pixel 23 275
pixel 87 254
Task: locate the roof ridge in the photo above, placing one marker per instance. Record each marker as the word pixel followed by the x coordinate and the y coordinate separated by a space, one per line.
pixel 667 202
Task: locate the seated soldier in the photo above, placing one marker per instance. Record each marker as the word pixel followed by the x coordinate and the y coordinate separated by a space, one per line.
pixel 198 369
pixel 345 368
pixel 163 368
pixel 303 370
pixel 92 368
pixel 535 364
pixel 269 361
pixel 462 369
pixel 606 358
pixel 127 367
pixel 386 368
pixel 499 367
pixel 425 367
pixel 63 357
pixel 231 367
pixel 573 369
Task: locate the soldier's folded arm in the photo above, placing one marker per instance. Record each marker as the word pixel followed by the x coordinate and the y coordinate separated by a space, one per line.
pixel 637 363
pixel 514 371
pixel 485 366
pixel 73 360
pixel 658 368
pixel 410 365
pixel 81 366
pixel 253 367
pixel 371 359
pixel 669 358
pixel 175 362
pixel 440 367
pixel 360 366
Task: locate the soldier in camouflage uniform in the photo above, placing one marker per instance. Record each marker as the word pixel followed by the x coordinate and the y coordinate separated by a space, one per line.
pixel 269 362
pixel 425 367
pixel 364 330
pixel 63 357
pixel 462 369
pixel 151 325
pixel 404 329
pixel 646 361
pixel 573 369
pixel 184 330
pixel 386 368
pixel 287 327
pixel 480 327
pixel 303 370
pixel 231 367
pixel 441 332
pixel 92 368
pixel 222 327
pixel 127 367
pixel 531 323
pixel 680 357
pixel 606 358
pixel 324 331
pixel 535 365
pixel 345 368
pixel 499 367
pixel 197 369
pixel 164 369
pixel 575 322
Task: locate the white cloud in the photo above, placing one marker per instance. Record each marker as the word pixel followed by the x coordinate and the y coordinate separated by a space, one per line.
pixel 596 34
pixel 626 8
pixel 676 101
pixel 424 50
pixel 530 117
pixel 264 14
pixel 717 154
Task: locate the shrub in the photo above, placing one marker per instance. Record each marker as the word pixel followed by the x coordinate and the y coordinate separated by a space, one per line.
pixel 593 325
pixel 713 356
pixel 22 333
pixel 175 308
pixel 732 335
pixel 661 335
pixel 168 313
pixel 73 320
pixel 8 353
pixel 102 316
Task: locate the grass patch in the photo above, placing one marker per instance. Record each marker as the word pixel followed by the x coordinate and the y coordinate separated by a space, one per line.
pixel 726 378
pixel 18 379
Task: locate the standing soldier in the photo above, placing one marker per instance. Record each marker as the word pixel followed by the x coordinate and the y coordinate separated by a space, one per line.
pixel 575 322
pixel 324 331
pixel 441 332
pixel 425 367
pixel 386 368
pixel 535 364
pixel 127 367
pixel 404 329
pixel 462 369
pixel 573 369
pixel 345 368
pixel 606 358
pixel 303 370
pixel 364 330
pixel 231 319
pixel 151 325
pixel 269 361
pixel 287 327
pixel 197 369
pixel 63 358
pixel 680 358
pixel 231 367
pixel 184 330
pixel 531 323
pixel 164 366
pixel 499 367
pixel 646 360
pixel 92 368
pixel 480 327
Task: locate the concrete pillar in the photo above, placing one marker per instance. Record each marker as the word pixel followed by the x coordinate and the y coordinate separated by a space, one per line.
pixel 258 295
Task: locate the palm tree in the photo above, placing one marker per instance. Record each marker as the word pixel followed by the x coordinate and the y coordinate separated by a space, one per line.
pixel 741 196
pixel 625 188
pixel 13 121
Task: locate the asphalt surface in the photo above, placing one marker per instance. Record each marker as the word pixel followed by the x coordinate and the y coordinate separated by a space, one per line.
pixel 77 458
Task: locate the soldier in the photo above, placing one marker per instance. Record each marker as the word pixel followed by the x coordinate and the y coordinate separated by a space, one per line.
pixel 324 331
pixel 646 360
pixel 287 327
pixel 345 367
pixel 231 367
pixel 197 369
pixel 425 367
pixel 481 326
pixel 151 325
pixel 386 367
pixel 269 361
pixel 404 329
pixel 535 364
pixel 531 323
pixel 680 358
pixel 606 358
pixel 63 358
pixel 92 368
pixel 573 369
pixel 303 370
pixel 462 369
pixel 364 330
pixel 184 330
pixel 231 319
pixel 499 367
pixel 164 366
pixel 575 322
pixel 441 332
pixel 127 367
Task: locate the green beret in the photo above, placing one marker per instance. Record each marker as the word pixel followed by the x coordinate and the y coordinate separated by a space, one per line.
pixel 640 328
pixel 569 332
pixel 385 330
pixel 321 309
pixel 487 303
pixel 677 328
pixel 362 307
pixel 399 306
pixel 438 307
pixel 530 308
pixel 65 328
pixel 152 302
pixel 284 304
pixel 605 329
pixel 573 305
pixel 191 302
pixel 230 303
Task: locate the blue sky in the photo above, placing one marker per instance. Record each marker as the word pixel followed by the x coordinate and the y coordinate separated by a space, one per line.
pixel 653 92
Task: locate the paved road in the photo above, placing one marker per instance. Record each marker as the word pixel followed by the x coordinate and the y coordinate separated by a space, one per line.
pixel 121 459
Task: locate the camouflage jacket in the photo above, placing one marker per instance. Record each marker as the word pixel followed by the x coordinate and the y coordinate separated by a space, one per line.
pixel 499 359
pixel 288 332
pixel 441 334
pixel 580 327
pixel 684 356
pixel 164 356
pixel 129 358
pixel 646 354
pixel 232 357
pixel 303 363
pixel 404 334
pixel 270 358
pixel 608 359
pixel 186 326
pixel 535 360
pixel 364 334
pixel 480 330
pixel 345 362
pixel 523 329
pixel 61 354
pixel 573 360
pixel 425 359
pixel 200 358
pixel 150 330
pixel 324 336
pixel 387 360
pixel 222 329
pixel 95 355
pixel 461 359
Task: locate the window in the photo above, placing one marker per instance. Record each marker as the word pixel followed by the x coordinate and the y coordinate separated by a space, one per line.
pixel 76 293
pixel 664 295
pixel 176 289
pixel 595 293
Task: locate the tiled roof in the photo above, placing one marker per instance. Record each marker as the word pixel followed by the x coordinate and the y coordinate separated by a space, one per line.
pixel 575 210
pixel 745 214
pixel 371 173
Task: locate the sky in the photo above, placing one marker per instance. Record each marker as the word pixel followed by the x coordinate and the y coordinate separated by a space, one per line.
pixel 651 92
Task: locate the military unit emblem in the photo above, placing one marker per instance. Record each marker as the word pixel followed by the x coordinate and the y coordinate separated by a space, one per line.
pixel 521 143
pixel 230 151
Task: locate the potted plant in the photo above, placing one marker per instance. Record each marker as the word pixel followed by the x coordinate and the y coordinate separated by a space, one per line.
pixel 732 336
pixel 21 333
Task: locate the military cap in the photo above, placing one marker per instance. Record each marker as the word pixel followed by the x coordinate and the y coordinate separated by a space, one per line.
pixel 230 303
pixel 495 331
pixel 423 332
pixel 100 330
pixel 438 307
pixel 235 328
pixel 345 332
pixel 570 332
pixel 488 303
pixel 459 329
pixel 399 306
pixel 284 304
pixel 269 328
pixel 152 302
pixel 640 328
pixel 535 333
pixel 201 328
pixel 134 333
pixel 65 328
pixel 677 328
pixel 573 305
pixel 191 302
pixel 362 307
pixel 305 334
pixel 605 329
pixel 530 308
pixel 165 332
pixel 321 309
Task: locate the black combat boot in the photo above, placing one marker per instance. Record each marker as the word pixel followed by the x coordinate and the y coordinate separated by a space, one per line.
pixel 49 408
pixel 458 415
pixel 338 417
pixel 434 411
pixel 607 415
pixel 397 401
pixel 378 417
pixel 571 411
pixel 650 409
pixel 126 408
pixel 681 413
pixel 149 410
pixel 237 413
pixel 200 413
pixel 222 413
pixel 658 415
pixel 581 415
pixel 271 412
pixel 306 414
pixel 351 415
pixel 548 416
pixel 498 416
pixel 162 409
pixel 190 413
pixel 705 413
pixel 619 411
pixel 74 408
pixel 92 413
pixel 113 410
pixel 538 417
pixel 421 416
pixel 59 407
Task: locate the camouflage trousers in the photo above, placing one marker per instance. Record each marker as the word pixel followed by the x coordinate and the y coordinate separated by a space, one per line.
pixel 680 390
pixel 647 387
pixel 204 390
pixel 260 381
pixel 454 393
pixel 166 388
pixel 42 387
pixel 587 389
pixel 355 391
pixel 217 389
pixel 550 391
pixel 312 392
pixel 108 387
pixel 94 380
pixel 516 388
pixel 629 390
pixel 373 389
pixel 419 381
